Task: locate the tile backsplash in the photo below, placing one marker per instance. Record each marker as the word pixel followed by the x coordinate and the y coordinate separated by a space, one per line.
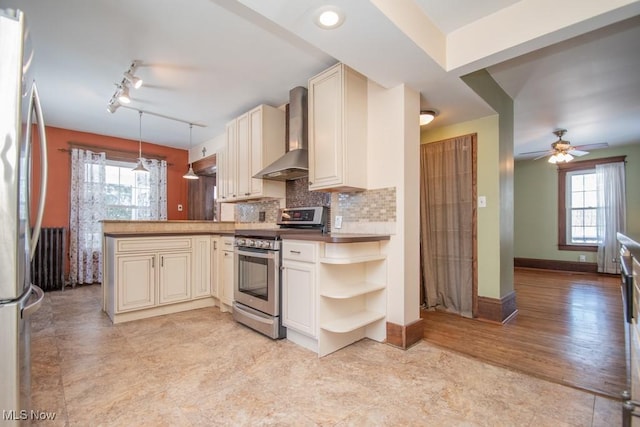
pixel 370 211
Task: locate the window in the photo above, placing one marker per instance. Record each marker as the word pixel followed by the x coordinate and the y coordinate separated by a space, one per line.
pixel 578 204
pixel 582 208
pixel 127 193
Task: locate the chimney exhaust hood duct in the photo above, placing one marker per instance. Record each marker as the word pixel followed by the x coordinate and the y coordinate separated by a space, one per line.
pixel 295 162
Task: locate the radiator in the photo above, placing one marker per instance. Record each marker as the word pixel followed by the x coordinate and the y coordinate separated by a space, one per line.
pixel 47 265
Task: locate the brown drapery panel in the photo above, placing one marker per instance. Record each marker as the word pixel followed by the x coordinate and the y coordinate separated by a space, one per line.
pixel 446 224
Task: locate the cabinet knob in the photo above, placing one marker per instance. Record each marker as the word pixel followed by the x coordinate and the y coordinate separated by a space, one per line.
pixel 247 194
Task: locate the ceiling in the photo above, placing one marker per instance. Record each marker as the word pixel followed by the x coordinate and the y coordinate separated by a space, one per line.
pixel 210 61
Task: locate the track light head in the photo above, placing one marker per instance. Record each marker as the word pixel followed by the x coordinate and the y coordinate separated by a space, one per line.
pixel 136 82
pixel 113 106
pixel 123 97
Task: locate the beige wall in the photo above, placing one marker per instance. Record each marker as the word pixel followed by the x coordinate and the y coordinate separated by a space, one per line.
pixel 536 205
pixel 393 161
pixel 487 130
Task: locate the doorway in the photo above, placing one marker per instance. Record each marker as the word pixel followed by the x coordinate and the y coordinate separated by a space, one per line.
pixel 448 242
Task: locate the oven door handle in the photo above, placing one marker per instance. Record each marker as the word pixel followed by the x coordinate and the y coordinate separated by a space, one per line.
pixel 257 254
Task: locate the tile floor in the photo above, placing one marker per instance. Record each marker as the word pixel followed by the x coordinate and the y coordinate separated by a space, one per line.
pixel 201 368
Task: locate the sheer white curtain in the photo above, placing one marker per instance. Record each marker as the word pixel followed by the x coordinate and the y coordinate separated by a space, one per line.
pixel 86 210
pixel 612 208
pixel 157 189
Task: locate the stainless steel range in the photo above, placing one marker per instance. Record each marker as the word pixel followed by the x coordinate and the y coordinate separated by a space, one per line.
pixel 257 269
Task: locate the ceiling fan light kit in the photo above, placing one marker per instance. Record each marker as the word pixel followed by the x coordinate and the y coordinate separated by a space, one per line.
pixel 562 151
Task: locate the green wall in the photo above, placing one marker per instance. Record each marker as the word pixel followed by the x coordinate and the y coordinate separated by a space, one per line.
pixel 488 177
pixel 536 205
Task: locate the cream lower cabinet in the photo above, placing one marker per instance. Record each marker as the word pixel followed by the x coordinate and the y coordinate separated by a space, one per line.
pixel 136 278
pixel 299 295
pixel 226 279
pixel 150 276
pixel 334 294
pixel 203 267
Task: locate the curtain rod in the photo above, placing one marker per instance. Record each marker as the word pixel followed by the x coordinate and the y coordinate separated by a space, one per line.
pixel 163 116
pixel 112 154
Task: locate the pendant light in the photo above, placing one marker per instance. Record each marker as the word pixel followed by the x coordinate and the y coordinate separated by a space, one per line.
pixel 190 173
pixel 140 166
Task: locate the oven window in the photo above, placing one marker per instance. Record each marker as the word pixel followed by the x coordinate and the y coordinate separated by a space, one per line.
pixel 253 276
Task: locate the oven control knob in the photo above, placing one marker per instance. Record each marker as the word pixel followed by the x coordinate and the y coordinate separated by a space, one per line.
pixel 240 242
pixel 265 244
pixel 249 242
pixel 260 243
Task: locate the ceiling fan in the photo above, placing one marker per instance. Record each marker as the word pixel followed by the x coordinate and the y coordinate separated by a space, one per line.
pixel 562 151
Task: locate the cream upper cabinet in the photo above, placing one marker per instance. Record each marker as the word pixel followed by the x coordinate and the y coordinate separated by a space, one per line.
pixel 253 140
pixel 338 130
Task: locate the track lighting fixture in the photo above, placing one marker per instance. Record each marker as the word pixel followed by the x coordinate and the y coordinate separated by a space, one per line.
pixel 190 173
pixel 121 95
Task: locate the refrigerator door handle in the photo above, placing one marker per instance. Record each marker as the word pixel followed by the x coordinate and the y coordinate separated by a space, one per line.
pixel 36 107
pixel 32 307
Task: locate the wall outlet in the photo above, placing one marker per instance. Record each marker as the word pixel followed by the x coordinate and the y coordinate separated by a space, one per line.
pixel 261 216
pixel 338 222
pixel 582 258
pixel 179 208
pixel 482 201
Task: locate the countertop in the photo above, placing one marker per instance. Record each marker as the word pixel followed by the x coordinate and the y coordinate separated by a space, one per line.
pixel 632 243
pixel 336 237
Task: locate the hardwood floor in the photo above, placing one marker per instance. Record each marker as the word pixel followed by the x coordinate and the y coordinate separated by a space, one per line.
pixel 569 329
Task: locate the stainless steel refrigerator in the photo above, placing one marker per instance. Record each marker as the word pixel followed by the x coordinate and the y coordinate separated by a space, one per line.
pixel 20 117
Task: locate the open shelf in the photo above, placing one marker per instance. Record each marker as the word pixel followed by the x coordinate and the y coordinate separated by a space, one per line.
pixel 353 322
pixel 350 291
pixel 353 260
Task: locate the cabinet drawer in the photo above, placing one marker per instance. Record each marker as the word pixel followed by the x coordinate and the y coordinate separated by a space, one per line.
pixel 154 244
pixel 299 251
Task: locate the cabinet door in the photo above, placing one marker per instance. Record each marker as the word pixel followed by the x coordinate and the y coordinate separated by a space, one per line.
pixel 135 281
pixel 215 253
pixel 221 174
pixel 228 278
pixel 201 267
pixel 243 145
pixel 256 159
pixel 231 160
pixel 299 297
pixel 175 277
pixel 325 129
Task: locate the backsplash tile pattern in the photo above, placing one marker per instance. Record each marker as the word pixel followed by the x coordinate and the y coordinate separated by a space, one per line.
pixel 367 206
pixel 250 212
pixel 299 196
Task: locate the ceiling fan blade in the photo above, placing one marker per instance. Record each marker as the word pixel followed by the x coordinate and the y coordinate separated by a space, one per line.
pixel 534 154
pixel 578 153
pixel 592 146
pixel 548 153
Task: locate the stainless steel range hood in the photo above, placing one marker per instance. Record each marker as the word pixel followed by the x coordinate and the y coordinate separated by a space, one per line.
pixel 295 162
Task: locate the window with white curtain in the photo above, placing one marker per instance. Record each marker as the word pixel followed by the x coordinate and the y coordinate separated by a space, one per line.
pixel 107 189
pixel 582 207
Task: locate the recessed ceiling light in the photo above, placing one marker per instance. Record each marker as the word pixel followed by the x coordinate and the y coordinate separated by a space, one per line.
pixel 329 17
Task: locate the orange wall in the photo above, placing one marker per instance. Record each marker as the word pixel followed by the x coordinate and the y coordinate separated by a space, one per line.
pixel 56 212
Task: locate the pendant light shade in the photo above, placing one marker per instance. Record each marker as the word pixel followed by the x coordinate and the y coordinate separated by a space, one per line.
pixel 190 173
pixel 140 166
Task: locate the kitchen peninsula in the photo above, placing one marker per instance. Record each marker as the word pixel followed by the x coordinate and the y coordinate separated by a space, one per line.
pixel 152 268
